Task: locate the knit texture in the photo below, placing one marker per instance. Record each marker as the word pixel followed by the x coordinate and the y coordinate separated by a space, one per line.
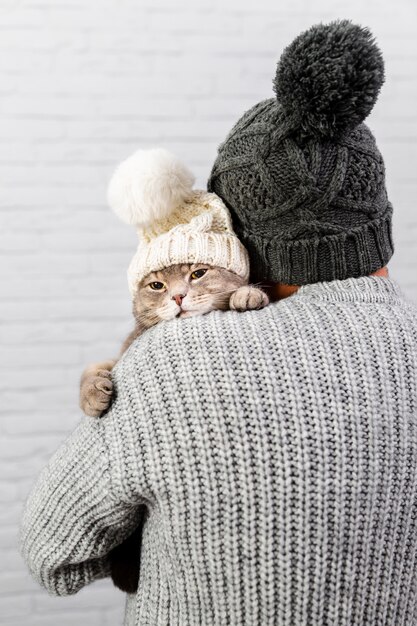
pixel 198 231
pixel 301 174
pixel 153 191
pixel 275 452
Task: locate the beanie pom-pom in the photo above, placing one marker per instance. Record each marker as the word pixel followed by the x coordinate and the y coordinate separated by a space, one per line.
pixel 329 77
pixel 148 186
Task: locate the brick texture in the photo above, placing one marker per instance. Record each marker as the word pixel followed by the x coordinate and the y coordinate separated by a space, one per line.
pixel 83 83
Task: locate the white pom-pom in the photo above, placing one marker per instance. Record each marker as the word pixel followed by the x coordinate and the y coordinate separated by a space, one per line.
pixel 148 186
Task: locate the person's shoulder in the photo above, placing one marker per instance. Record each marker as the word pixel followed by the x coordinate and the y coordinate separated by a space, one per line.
pixel 178 336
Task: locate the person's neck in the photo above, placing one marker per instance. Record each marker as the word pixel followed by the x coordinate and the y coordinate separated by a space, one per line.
pixel 278 291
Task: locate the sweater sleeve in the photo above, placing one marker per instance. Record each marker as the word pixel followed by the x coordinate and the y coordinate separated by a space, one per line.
pixel 73 518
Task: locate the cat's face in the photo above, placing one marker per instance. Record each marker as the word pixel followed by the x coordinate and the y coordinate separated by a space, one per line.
pixel 183 291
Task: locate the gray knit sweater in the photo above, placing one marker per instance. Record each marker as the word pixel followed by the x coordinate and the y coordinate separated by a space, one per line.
pixel 276 454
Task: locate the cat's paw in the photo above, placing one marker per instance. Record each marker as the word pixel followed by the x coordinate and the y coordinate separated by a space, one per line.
pixel 96 392
pixel 247 298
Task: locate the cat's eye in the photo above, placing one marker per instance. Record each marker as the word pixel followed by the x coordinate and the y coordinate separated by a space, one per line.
pixel 198 274
pixel 156 286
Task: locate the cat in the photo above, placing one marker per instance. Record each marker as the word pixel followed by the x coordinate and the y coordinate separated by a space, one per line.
pixel 182 291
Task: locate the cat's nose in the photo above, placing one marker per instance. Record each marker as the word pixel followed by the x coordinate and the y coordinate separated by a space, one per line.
pixel 178 298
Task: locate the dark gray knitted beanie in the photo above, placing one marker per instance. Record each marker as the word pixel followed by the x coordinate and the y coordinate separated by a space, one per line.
pixel 301 174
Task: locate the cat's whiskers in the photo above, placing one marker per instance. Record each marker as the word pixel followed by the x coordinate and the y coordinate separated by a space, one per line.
pixel 217 299
pixel 167 311
pixel 208 295
pixel 147 318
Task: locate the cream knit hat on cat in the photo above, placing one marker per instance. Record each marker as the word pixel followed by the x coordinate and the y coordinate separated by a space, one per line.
pixel 153 191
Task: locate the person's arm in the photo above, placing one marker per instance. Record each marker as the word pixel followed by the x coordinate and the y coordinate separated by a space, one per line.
pixel 78 510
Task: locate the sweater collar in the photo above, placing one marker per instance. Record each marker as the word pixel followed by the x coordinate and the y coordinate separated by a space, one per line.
pixel 364 289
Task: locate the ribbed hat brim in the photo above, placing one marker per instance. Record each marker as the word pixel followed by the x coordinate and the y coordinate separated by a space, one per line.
pixel 357 252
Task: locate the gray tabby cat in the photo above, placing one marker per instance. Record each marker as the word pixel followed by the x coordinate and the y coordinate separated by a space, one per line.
pixel 182 290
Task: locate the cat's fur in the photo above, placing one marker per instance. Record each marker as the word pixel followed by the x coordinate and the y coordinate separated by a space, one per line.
pixel 185 294
pixel 218 289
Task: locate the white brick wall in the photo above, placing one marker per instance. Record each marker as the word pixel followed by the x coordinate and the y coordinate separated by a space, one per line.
pixel 82 84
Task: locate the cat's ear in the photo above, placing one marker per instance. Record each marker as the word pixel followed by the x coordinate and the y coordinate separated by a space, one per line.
pixel 148 186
